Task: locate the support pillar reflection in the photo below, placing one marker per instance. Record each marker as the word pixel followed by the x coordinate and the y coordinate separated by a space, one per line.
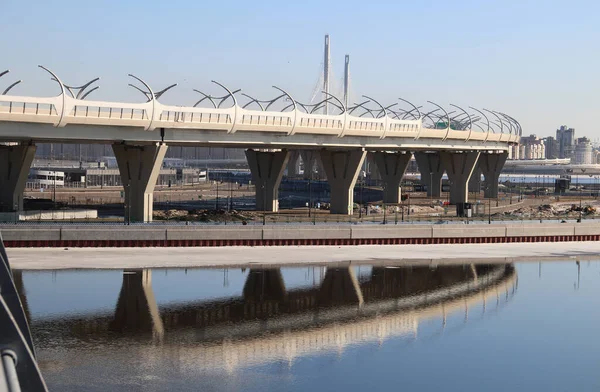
pixel 264 285
pixel 136 309
pixel 340 287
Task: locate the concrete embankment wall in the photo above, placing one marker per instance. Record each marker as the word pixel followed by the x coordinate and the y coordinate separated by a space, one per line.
pixel 144 236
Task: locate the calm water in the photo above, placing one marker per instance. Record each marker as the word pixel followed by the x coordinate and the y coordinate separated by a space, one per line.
pixel 458 328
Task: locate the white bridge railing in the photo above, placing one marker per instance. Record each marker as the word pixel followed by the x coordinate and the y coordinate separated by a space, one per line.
pixel 64 110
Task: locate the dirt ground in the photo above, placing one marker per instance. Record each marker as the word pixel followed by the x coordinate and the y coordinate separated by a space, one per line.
pixel 557 210
pixel 420 206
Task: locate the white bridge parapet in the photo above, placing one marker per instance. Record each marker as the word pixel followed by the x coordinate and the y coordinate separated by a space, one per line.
pixel 65 110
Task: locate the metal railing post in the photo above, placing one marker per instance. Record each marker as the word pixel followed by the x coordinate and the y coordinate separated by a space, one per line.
pixel 9 371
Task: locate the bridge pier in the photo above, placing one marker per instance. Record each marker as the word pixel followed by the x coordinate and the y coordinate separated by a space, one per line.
pixel 391 168
pixel 459 167
pixel 475 181
pixel 293 164
pixel 136 309
pixel 267 169
pixel 491 165
pixel 432 170
pixel 371 168
pixel 264 285
pixel 342 168
pixel 139 167
pixel 310 160
pixel 15 162
pixel 340 287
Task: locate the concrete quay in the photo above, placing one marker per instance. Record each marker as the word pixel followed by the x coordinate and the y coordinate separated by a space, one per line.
pixel 110 235
pixel 275 256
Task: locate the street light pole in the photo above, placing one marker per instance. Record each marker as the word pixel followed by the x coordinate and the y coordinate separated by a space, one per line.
pixel 521 188
pixel 362 185
pixel 230 195
pixel 489 211
pixel 431 185
pixel 263 186
pixel 54 190
pixel 217 199
pixel 384 206
pixel 509 190
pixel 310 192
pixel 128 202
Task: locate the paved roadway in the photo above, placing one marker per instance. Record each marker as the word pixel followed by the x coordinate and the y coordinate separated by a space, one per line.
pixel 119 258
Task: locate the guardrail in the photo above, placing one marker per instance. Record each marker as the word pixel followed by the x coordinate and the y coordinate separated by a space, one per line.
pixel 18 368
pixel 268 235
pixel 68 108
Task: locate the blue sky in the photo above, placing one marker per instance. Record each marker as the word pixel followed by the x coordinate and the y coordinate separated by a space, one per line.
pixel 536 60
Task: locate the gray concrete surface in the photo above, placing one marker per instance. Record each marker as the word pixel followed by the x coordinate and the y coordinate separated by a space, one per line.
pixel 118 258
pixel 251 232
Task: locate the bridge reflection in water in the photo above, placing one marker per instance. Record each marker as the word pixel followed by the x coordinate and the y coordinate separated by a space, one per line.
pixel 270 323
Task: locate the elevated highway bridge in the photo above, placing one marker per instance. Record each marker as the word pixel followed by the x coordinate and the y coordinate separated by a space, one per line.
pixel 274 132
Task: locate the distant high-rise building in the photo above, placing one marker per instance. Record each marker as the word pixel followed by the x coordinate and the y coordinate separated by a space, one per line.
pixel 565 137
pixel 552 148
pixel 531 147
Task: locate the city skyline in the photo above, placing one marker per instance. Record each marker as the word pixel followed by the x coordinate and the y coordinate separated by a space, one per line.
pixel 512 62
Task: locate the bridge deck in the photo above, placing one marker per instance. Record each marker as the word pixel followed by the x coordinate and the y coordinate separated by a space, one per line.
pixel 24 118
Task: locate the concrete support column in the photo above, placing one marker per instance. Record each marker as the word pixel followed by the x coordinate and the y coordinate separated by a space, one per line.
pixel 293 164
pixel 264 285
pixel 321 175
pixel 267 169
pixel 139 167
pixel 372 168
pixel 430 166
pixel 15 162
pixel 340 287
pixel 310 159
pixel 391 167
pixel 491 166
pixel 475 181
pixel 459 167
pixel 137 310
pixel 342 168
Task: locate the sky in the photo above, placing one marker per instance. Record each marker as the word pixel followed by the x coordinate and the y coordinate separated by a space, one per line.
pixel 535 60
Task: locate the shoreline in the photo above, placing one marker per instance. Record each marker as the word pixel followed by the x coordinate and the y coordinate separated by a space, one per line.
pixel 242 256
